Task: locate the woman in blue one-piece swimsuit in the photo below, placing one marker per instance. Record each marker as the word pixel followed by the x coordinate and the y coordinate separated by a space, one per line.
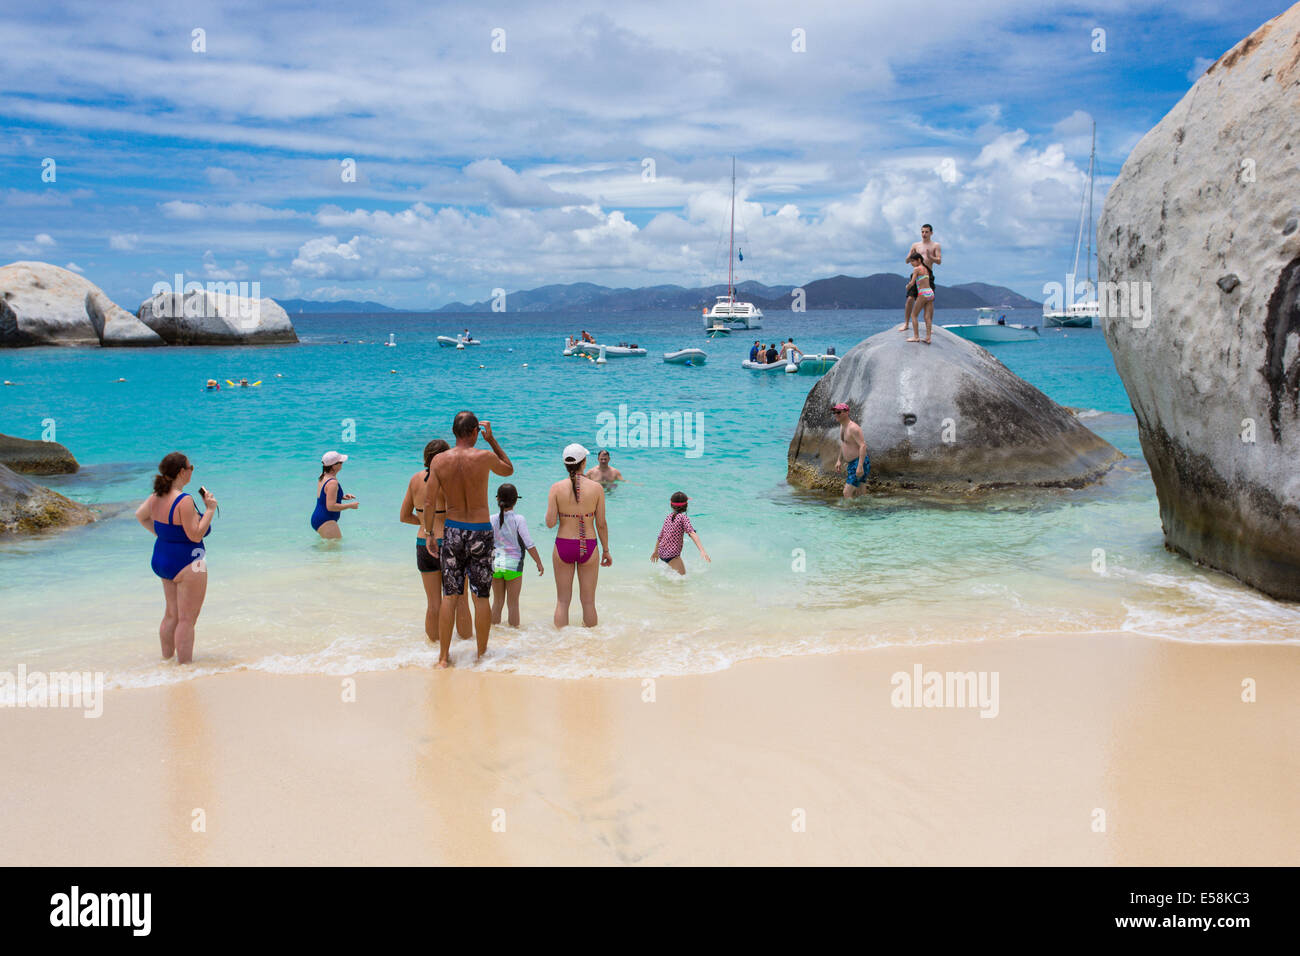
pixel 178 552
pixel 331 502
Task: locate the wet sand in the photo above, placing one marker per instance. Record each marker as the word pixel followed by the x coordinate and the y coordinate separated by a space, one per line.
pixel 467 767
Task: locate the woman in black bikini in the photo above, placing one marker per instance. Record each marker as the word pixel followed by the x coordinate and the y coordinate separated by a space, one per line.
pixel 430 572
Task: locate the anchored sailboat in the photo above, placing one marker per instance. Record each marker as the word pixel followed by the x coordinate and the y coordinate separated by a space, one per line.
pixel 729 312
pixel 1080 315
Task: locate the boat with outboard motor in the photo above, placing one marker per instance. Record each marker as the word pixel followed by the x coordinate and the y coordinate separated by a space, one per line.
pixel 686 357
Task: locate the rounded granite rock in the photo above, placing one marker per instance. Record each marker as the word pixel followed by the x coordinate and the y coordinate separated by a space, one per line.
pixel 1203 216
pixel 946 417
pixel 29 508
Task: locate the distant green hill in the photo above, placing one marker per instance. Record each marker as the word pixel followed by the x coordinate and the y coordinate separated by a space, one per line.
pixel 298 306
pixel 884 290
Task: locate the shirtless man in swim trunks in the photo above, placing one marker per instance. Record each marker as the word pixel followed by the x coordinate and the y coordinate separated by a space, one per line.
pixel 932 256
pixel 461 476
pixel 853 451
pixel 604 474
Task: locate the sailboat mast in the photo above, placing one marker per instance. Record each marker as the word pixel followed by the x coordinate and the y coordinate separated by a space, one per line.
pixel 1092 162
pixel 731 245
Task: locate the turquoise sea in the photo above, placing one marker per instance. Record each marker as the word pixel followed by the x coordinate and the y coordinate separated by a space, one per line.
pixel 792 573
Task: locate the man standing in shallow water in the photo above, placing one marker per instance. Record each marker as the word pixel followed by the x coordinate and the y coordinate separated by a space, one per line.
pixel 603 473
pixel 853 451
pixel 461 475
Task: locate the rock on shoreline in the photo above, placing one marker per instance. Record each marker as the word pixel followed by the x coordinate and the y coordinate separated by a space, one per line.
pixel 208 318
pixel 42 304
pixel 948 417
pixel 1205 210
pixel 29 508
pixel 36 457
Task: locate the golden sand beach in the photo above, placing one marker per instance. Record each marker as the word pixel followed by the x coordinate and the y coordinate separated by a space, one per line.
pixel 792 761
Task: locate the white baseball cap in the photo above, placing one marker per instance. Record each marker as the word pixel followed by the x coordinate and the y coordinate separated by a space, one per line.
pixel 574 453
pixel 332 458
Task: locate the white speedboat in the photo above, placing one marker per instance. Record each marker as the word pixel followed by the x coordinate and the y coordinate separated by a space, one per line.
pixel 987 330
pixel 392 340
pixel 728 311
pixel 456 341
pixel 686 357
pixel 806 363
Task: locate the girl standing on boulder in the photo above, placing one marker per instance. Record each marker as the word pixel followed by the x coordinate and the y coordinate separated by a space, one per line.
pixel 925 297
pixel 178 552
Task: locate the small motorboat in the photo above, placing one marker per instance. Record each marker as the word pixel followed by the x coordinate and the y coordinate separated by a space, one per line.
pixel 455 341
pixel 777 366
pixel 806 363
pixel 611 351
pixel 392 340
pixel 988 331
pixel 686 357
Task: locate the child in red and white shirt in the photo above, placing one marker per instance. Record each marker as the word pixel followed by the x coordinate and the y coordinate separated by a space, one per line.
pixel 668 546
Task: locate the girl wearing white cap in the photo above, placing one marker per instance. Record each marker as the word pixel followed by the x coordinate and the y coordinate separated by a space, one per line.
pixel 331 502
pixel 577 505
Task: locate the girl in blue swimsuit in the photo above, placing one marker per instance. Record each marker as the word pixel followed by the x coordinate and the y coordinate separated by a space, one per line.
pixel 178 551
pixel 331 502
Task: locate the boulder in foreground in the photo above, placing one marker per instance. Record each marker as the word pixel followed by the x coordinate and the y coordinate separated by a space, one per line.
pixel 1206 214
pixel 29 508
pixel 947 418
pixel 36 457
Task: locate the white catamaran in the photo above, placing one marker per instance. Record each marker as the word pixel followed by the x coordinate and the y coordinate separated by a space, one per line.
pixel 1085 314
pixel 729 312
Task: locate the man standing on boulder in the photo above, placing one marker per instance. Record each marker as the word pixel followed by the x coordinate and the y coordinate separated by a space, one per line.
pixel 853 452
pixel 931 256
pixel 461 474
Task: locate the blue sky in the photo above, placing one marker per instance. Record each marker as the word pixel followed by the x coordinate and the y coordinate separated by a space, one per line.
pixel 478 169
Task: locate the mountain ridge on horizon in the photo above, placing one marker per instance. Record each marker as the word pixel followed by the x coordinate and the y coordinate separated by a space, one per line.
pixel 881 290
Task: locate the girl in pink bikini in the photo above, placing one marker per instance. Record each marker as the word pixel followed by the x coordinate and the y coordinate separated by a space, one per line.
pixel 577 505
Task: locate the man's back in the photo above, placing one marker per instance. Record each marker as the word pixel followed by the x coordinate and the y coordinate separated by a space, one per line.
pixel 463 476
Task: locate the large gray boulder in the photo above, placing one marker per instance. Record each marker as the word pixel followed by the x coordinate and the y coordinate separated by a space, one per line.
pixel 216 318
pixel 29 508
pixel 947 417
pixel 36 457
pixel 1206 211
pixel 115 325
pixel 41 304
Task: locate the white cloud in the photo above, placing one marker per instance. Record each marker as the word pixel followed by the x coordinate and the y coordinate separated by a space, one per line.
pixel 218 212
pixel 123 242
pixel 505 187
pixel 73 267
